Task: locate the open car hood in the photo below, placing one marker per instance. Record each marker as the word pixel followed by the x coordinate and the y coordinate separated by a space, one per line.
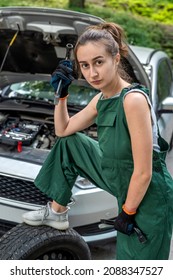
pixel 41 37
pixel 33 40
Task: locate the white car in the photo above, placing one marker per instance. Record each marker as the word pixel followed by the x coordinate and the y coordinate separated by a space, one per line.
pixel 33 40
pixel 159 68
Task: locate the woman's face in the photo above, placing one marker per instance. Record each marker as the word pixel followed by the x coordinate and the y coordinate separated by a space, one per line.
pixel 98 67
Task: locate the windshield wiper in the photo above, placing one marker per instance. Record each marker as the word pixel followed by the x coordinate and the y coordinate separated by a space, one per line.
pixel 37 101
pixel 26 100
pixel 71 106
pixel 75 107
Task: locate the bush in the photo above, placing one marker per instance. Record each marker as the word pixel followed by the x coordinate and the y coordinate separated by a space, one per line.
pixel 157 10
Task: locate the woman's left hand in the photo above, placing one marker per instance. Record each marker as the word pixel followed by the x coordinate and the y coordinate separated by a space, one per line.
pixel 125 223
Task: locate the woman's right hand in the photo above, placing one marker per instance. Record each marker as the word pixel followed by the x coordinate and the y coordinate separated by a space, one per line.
pixel 63 74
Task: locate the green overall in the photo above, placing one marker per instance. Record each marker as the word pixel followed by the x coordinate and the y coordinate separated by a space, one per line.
pixel 108 164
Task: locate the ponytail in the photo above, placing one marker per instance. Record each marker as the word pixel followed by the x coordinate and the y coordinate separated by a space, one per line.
pixel 118 34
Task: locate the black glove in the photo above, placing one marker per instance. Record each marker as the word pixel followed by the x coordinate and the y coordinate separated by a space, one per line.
pixel 125 223
pixel 64 75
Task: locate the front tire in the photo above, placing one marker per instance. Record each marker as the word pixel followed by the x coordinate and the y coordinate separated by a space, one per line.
pixel 24 242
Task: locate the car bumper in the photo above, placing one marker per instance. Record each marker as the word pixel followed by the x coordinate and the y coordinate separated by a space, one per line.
pixel 87 207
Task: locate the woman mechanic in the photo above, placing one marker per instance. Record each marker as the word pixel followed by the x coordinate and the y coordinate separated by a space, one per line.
pixel 128 160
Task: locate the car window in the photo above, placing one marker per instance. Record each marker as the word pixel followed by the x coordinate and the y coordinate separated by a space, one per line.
pixel 42 90
pixel 164 80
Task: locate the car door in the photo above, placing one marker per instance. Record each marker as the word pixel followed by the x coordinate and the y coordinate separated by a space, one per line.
pixel 164 89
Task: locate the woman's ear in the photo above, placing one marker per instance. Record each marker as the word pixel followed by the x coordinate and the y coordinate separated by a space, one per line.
pixel 117 58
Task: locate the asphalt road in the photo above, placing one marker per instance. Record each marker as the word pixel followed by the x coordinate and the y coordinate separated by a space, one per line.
pixel 108 251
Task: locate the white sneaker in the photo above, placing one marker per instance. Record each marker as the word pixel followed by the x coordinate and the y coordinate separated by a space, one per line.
pixel 45 216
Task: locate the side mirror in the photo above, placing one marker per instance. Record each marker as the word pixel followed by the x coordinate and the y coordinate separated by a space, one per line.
pixel 166 106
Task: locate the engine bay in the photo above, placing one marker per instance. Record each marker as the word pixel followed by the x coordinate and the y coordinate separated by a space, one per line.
pixel 18 131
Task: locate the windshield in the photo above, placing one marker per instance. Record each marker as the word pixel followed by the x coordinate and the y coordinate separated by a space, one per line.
pixel 43 91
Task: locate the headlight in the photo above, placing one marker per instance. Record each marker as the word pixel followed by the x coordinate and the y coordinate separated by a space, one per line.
pixel 83 183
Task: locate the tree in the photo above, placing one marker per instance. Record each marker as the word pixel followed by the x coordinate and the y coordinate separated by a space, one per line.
pixel 77 3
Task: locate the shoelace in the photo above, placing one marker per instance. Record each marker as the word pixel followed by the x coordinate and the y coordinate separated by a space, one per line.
pixel 45 211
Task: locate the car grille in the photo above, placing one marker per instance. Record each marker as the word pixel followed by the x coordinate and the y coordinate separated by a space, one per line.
pixel 92 229
pixel 25 191
pixel 21 190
